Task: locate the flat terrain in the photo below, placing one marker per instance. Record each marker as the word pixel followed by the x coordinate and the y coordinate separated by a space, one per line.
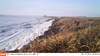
pixel 68 34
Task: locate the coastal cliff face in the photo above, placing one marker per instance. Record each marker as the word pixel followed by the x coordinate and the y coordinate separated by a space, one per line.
pixel 68 34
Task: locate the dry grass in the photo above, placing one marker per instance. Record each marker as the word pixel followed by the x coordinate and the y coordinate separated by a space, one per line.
pixel 68 34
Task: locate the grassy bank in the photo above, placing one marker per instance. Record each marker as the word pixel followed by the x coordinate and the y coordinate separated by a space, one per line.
pixel 68 34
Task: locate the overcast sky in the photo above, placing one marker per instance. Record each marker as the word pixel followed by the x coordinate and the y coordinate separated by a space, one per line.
pixel 51 7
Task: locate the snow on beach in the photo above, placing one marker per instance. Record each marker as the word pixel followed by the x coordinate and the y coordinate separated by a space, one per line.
pixel 17 31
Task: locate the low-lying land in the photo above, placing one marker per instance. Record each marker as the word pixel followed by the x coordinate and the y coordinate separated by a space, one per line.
pixel 68 34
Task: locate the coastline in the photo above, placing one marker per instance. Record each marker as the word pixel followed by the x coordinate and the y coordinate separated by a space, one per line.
pixel 67 34
pixel 45 23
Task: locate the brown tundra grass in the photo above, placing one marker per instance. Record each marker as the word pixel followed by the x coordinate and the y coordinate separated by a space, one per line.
pixel 68 34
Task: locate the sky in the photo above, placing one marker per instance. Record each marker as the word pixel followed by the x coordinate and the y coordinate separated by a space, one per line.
pixel 89 8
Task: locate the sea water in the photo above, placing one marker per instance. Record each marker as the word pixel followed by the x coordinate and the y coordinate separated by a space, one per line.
pixel 18 31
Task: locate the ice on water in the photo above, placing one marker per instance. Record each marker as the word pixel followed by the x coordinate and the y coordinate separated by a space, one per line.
pixel 17 31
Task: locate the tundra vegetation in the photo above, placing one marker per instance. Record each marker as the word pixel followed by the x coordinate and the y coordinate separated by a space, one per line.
pixel 68 35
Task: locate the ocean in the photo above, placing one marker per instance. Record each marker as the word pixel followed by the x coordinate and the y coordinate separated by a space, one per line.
pixel 18 31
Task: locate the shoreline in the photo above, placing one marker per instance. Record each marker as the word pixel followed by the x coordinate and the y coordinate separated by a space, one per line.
pixel 63 29
pixel 16 50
